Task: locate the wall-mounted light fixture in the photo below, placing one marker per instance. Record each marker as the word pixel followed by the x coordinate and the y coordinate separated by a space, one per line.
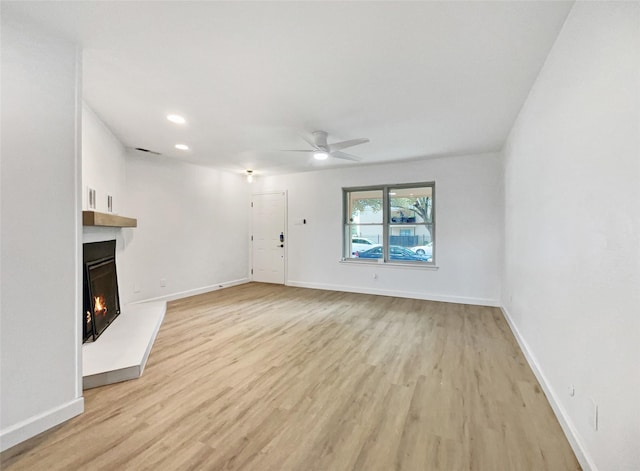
pixel 249 175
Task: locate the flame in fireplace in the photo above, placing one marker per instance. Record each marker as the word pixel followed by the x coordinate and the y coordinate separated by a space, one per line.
pixel 99 306
pixel 88 317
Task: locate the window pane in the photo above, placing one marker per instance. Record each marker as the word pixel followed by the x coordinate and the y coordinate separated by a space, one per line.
pixel 410 235
pixel 411 224
pixel 411 205
pixel 363 238
pixel 410 243
pixel 364 207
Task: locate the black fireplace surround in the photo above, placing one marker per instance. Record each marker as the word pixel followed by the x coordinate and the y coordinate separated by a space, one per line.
pixel 100 288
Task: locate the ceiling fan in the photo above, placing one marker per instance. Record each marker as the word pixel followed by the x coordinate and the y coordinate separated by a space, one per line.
pixel 322 150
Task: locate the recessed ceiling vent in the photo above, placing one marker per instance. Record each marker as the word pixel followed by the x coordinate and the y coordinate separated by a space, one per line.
pixel 147 151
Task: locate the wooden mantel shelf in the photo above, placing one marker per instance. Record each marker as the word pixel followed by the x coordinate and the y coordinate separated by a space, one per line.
pixel 94 218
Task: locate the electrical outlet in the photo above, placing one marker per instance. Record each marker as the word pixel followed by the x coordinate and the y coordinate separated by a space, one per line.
pixel 375 276
pixel 163 282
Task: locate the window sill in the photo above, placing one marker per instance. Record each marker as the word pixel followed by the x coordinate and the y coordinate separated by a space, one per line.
pixel 376 263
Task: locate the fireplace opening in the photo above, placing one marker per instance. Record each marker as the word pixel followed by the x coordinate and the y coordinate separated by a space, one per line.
pixel 101 298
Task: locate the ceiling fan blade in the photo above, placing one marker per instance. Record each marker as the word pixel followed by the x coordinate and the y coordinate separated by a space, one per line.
pixel 308 140
pixel 343 155
pixel 345 144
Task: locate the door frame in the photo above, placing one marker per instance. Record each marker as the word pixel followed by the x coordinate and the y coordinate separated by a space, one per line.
pixel 285 194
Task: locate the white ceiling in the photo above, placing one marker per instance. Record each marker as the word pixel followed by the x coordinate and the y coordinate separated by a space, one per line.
pixel 420 79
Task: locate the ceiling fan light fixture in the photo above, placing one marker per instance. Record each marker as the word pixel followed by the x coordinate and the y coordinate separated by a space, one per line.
pixel 320 155
pixel 249 176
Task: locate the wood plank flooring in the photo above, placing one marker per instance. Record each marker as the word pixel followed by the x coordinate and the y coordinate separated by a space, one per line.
pixel 268 377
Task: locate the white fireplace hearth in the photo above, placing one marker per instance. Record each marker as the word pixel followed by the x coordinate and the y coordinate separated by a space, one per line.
pixel 121 352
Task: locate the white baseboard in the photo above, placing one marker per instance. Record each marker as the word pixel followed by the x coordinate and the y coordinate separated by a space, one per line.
pixel 398 294
pixel 195 291
pixel 565 421
pixel 33 426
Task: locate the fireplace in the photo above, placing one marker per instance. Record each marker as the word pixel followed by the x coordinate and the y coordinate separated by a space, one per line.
pixel 100 288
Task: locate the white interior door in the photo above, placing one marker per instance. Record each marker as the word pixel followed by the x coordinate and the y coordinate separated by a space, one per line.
pixel 269 237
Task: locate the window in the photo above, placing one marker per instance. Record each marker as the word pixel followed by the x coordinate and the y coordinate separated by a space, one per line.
pixel 395 223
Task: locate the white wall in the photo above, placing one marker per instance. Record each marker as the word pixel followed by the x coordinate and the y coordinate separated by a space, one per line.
pixel 469 211
pixel 193 223
pixel 40 194
pixel 572 262
pixel 103 163
pixel 192 220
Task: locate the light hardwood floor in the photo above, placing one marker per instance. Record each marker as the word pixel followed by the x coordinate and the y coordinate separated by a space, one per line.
pixel 267 377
